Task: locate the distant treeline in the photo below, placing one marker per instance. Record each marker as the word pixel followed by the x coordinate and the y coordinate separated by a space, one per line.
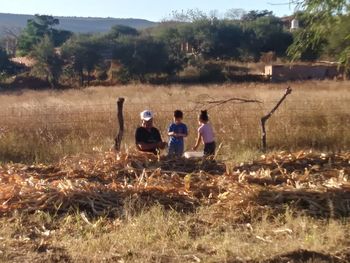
pixel 192 40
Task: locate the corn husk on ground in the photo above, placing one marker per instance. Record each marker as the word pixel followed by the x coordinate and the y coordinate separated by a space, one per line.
pixel 317 184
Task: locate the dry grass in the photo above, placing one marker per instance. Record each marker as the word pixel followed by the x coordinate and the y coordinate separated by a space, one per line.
pixel 157 235
pixel 42 126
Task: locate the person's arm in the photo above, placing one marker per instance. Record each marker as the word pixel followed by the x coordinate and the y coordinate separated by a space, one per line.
pixel 160 143
pixel 171 131
pixel 185 134
pixel 149 146
pixel 180 134
pixel 199 137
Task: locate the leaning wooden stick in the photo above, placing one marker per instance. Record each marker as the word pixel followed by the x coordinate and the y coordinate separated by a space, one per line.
pixel 118 139
pixel 267 116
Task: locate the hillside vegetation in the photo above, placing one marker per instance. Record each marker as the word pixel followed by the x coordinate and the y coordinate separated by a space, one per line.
pixel 75 24
pixel 190 46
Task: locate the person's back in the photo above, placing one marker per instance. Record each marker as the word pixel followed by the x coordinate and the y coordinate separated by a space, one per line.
pixel 206 134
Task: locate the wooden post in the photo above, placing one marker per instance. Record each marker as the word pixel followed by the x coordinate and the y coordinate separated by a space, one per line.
pixel 118 139
pixel 267 116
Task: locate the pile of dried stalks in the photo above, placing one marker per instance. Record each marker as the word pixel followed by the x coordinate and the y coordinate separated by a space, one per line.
pixel 104 184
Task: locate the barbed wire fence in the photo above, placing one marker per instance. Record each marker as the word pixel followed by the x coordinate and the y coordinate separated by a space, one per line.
pixel 225 119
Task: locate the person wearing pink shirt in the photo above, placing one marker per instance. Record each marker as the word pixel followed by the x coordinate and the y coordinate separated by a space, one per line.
pixel 205 134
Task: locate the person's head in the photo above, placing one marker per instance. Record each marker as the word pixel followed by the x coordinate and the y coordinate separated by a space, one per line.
pixel 147 119
pixel 178 115
pixel 203 116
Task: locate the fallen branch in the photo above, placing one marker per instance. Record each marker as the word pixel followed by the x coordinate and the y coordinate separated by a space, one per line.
pixel 215 103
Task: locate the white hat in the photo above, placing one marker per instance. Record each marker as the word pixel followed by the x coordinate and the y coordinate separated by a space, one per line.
pixel 146 115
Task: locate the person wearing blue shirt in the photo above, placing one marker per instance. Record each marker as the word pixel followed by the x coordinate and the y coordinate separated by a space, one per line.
pixel 177 131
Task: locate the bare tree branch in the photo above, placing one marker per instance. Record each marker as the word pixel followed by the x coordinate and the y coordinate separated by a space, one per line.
pixel 267 116
pixel 209 104
pixel 11 32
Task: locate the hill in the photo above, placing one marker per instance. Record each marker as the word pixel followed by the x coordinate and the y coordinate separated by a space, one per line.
pixel 76 24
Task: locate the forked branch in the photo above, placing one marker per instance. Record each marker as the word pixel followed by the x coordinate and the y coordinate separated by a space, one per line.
pixel 215 103
pixel 267 116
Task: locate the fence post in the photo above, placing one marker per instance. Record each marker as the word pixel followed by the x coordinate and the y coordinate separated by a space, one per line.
pixel 118 139
pixel 267 116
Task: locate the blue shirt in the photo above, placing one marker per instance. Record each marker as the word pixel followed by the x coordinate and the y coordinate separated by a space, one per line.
pixel 177 128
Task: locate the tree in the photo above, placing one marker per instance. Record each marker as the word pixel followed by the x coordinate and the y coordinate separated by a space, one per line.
pixel 141 56
pixel 9 39
pixel 48 63
pixel 4 62
pixel 235 13
pixel 172 39
pixel 37 29
pixel 265 34
pixel 59 36
pixel 190 15
pixel 213 38
pixel 321 18
pixel 121 30
pixel 83 54
pixel 227 40
pixel 337 43
pixel 255 14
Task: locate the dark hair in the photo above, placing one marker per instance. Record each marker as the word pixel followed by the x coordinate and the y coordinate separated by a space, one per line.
pixel 204 115
pixel 178 114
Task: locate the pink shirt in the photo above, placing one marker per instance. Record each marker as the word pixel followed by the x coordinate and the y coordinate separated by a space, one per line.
pixel 207 133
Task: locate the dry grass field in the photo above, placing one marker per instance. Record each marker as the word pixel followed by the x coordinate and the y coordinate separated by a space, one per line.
pixel 65 201
pixel 43 126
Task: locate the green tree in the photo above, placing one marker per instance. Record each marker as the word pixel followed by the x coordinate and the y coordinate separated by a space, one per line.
pixel 83 54
pixel 228 40
pixel 172 39
pixel 264 34
pixel 59 36
pixel 245 38
pixel 121 30
pixel 48 63
pixel 141 56
pixel 321 18
pixel 35 31
pixel 5 63
pixel 255 14
pixel 213 38
pixel 339 37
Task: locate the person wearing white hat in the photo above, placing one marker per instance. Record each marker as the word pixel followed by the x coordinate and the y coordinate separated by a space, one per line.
pixel 147 137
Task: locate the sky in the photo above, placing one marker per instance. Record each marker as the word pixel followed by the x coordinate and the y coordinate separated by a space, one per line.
pixel 154 10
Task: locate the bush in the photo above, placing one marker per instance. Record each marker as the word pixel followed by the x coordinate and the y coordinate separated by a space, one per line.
pixel 123 76
pixel 211 72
